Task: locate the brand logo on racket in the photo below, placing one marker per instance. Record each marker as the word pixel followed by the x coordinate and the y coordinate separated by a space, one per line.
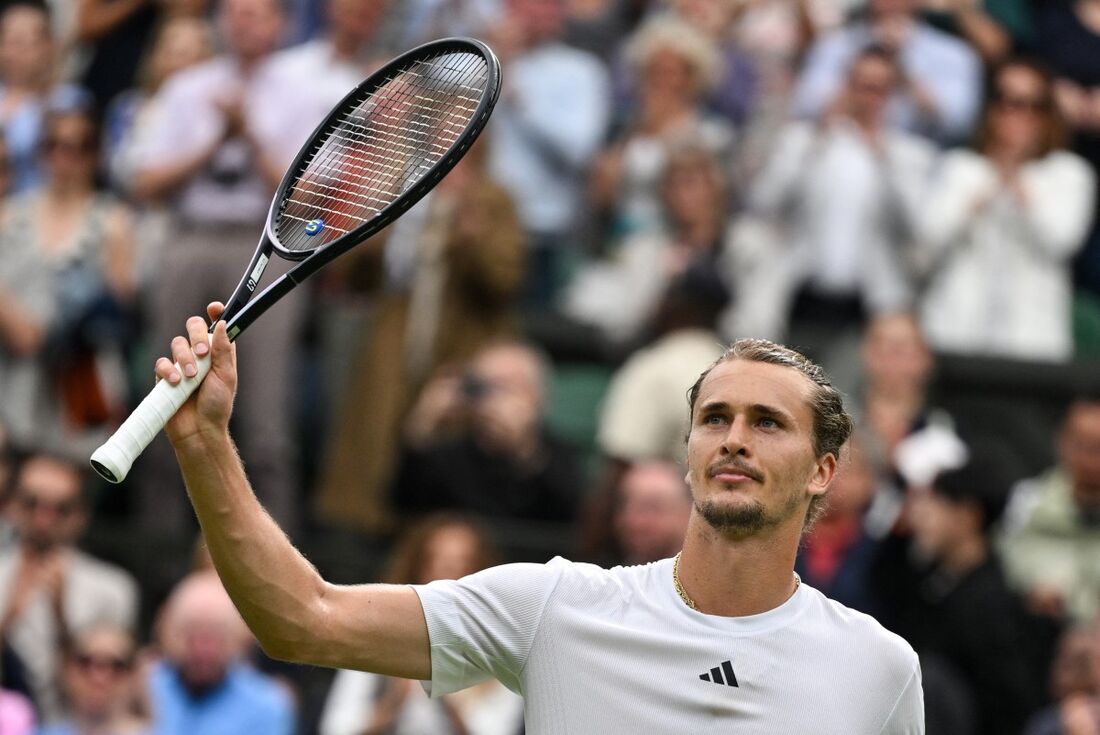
pixel 314 226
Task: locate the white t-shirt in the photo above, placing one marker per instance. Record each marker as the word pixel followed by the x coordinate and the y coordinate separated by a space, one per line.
pixel 616 651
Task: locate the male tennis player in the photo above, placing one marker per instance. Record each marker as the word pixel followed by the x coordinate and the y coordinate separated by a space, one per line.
pixel 722 638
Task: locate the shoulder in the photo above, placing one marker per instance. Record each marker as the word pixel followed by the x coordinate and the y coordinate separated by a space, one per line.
pixel 565 58
pixel 196 80
pixel 858 637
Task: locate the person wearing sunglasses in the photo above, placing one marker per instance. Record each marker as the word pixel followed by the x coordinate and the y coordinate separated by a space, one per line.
pixel 48 587
pixel 1001 226
pixel 100 686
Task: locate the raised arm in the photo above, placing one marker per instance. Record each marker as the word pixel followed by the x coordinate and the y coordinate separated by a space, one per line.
pixel 294 613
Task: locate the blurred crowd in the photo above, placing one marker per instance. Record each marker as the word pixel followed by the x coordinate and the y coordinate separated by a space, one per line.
pixel 886 185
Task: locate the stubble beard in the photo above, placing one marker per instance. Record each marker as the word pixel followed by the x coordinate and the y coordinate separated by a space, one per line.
pixel 741 520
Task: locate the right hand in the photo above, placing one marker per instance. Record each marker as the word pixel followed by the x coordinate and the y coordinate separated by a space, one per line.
pixel 208 409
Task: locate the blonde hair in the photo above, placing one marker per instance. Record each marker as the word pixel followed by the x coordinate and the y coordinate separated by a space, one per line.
pixel 667 32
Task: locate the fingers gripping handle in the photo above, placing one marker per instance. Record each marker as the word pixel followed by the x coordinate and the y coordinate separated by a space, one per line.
pixel 113 460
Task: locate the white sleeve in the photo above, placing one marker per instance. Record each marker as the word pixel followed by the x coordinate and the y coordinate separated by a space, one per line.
pixel 907 717
pixel 482 626
pixel 1060 202
pixel 349 704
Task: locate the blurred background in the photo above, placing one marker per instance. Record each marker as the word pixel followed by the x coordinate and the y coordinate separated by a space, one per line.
pixel 905 190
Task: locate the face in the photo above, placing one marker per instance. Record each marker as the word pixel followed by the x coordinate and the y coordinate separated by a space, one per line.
pixel 895 354
pixel 937 523
pixel 358 18
pixel 1073 672
pixel 871 82
pixel 653 512
pixel 252 28
pixel 1079 449
pixel 505 394
pixel 26 48
pixel 69 149
pixel 46 504
pixel 98 675
pixel 451 552
pixel 668 74
pixel 541 20
pixel 183 42
pixel 1018 114
pixel 202 633
pixel 691 190
pixel 888 8
pixel 751 460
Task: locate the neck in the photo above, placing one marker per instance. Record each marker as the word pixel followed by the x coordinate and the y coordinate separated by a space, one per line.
pixel 347 46
pixel 62 192
pixel 737 577
pixel 703 231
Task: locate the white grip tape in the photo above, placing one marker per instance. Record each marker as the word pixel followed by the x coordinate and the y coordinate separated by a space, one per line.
pixel 114 459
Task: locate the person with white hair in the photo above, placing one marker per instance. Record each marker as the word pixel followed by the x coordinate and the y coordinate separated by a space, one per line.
pixel 675 65
pixel 202 685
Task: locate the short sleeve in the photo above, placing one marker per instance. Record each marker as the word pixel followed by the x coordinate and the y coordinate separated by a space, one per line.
pixel 907 717
pixel 483 626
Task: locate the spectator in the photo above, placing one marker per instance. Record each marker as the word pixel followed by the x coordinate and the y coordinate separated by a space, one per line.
pixel 27 56
pixel 622 294
pixel 322 71
pixel 206 158
pixel 455 290
pixel 1075 686
pixel 735 93
pixel 967 616
pixel 651 515
pixel 66 297
pixel 550 120
pixel 1049 541
pixel 894 389
pixel 437 547
pixel 939 87
pixel 1001 226
pixel 505 463
pixel 48 587
pixel 100 684
pixel 180 42
pixel 837 552
pixel 202 686
pixel 676 66
pixel 427 20
pixel 847 188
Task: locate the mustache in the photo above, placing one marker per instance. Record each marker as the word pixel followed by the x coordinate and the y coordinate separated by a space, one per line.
pixel 735 466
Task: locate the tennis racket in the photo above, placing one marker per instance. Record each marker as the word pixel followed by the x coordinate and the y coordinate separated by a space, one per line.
pixel 381 149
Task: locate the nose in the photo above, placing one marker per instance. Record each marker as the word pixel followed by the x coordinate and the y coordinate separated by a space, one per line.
pixel 737 441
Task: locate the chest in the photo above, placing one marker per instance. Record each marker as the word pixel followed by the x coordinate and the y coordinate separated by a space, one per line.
pixel 634 675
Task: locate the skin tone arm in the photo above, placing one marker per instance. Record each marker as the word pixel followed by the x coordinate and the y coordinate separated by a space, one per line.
pixel 294 613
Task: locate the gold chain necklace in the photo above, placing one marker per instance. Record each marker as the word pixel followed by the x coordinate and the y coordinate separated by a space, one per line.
pixel 684 595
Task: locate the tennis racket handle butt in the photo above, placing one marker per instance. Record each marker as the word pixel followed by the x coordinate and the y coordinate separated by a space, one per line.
pixel 113 460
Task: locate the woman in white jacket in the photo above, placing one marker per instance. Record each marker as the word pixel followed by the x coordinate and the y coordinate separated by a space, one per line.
pixel 1001 226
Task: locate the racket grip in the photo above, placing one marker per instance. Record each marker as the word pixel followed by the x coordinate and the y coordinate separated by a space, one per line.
pixel 113 460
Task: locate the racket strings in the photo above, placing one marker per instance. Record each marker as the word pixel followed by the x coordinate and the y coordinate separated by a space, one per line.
pixel 382 146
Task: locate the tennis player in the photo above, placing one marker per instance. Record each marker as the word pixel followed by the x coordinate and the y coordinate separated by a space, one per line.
pixel 721 638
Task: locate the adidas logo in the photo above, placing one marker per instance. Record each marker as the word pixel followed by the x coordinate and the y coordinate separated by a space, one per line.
pixel 722 674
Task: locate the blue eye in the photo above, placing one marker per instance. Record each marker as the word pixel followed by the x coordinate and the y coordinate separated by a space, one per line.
pixel 769 423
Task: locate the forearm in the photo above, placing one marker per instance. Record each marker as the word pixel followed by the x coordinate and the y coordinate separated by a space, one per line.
pixel 18 330
pixel 278 592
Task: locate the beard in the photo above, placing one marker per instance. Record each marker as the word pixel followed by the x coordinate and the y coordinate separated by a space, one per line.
pixel 740 520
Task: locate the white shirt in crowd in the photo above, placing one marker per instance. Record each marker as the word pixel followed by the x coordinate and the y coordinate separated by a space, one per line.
pixel 549 123
pixel 1000 269
pixel 849 211
pixel 617 651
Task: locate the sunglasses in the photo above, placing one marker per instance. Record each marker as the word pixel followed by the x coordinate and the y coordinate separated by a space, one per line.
pixel 116 665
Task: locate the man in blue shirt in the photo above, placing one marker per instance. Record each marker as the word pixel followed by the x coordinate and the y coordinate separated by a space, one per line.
pixel 202 687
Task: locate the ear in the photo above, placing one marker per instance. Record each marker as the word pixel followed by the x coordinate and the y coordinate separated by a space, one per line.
pixel 824 472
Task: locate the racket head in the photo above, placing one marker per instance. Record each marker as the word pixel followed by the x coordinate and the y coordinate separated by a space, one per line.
pixel 383 147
